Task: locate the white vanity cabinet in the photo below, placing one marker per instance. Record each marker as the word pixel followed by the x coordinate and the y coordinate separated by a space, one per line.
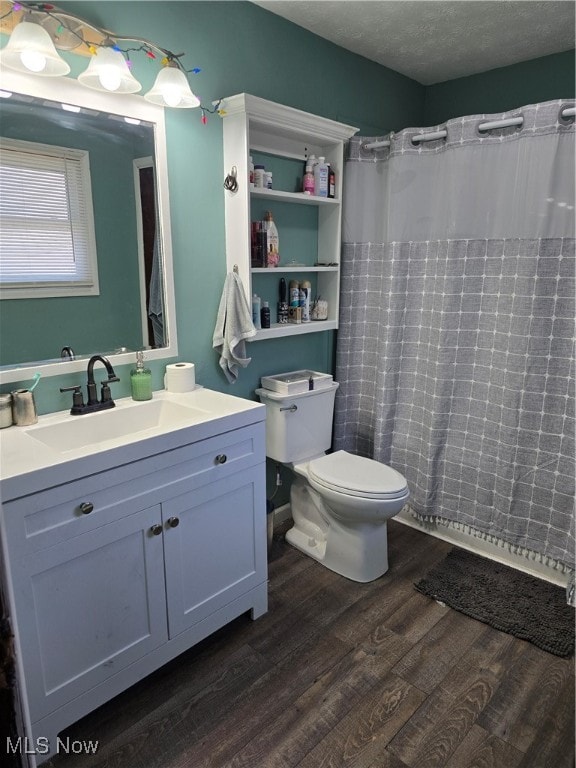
pixel 309 226
pixel 109 576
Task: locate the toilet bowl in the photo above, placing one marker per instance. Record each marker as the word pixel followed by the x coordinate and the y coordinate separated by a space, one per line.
pixel 340 505
pixel 340 502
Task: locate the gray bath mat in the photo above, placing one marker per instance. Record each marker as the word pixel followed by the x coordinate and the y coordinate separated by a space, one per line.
pixel 504 598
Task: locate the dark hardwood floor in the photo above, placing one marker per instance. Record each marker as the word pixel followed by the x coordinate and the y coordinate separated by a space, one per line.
pixel 344 674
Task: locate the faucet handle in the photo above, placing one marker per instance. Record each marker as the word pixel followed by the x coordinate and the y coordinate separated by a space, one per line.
pixel 109 379
pixel 77 398
pixel 105 394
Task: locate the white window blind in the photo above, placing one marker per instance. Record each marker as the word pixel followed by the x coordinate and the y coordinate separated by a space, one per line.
pixel 47 243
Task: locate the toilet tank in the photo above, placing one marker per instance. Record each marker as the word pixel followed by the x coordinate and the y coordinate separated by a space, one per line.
pixel 298 426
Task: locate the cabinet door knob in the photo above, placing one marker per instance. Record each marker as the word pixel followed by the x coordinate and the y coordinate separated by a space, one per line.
pixel 173 522
pixel 156 529
pixel 86 507
pixel 221 458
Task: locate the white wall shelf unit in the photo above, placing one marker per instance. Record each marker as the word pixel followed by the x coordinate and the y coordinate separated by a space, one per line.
pixel 284 135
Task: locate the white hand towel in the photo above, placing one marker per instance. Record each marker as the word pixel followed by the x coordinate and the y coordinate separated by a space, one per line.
pixel 233 326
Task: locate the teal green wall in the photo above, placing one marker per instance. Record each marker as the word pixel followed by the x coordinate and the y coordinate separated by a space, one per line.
pixel 543 79
pixel 240 48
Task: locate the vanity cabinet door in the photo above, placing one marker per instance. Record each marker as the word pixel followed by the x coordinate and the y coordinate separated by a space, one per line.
pixel 215 546
pixel 89 607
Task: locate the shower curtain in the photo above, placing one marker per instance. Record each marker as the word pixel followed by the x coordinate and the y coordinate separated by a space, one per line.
pixel 455 344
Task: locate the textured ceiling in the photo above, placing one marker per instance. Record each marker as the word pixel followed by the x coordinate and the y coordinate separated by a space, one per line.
pixel 434 40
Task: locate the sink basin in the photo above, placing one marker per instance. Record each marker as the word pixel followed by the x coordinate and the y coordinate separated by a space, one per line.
pixel 117 423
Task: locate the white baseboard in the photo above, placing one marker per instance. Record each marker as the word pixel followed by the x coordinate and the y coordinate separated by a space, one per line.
pixel 485 548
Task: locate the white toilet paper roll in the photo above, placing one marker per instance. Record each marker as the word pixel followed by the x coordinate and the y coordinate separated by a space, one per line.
pixel 180 377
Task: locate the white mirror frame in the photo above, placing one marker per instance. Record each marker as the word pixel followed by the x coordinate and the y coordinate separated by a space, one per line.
pixel 68 91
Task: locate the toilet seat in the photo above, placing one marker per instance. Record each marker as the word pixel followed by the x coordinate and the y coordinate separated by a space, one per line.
pixel 343 472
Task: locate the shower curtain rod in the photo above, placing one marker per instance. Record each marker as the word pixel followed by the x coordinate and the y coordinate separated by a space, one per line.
pixel 488 126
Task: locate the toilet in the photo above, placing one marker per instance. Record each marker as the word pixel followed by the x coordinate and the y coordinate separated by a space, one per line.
pixel 340 502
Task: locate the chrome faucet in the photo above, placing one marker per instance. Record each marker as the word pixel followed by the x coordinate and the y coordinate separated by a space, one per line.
pixel 67 353
pixel 93 404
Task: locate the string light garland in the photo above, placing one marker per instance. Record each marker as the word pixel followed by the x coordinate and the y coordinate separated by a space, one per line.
pixel 43 28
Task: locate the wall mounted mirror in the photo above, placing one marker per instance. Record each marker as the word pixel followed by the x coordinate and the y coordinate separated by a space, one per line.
pixel 133 305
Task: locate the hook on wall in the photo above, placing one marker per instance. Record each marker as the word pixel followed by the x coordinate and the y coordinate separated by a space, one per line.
pixel 231 181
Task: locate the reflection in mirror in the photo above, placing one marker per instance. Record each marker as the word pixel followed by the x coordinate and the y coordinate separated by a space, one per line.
pixel 53 329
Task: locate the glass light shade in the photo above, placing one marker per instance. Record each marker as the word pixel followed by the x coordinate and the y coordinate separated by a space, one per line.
pixel 30 49
pixel 171 89
pixel 108 71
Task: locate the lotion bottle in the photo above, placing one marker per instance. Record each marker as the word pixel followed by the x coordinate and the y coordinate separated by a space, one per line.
pixel 308 181
pixel 141 380
pixel 321 178
pixel 272 241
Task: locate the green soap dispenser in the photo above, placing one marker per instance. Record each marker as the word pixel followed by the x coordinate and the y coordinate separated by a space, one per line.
pixel 141 380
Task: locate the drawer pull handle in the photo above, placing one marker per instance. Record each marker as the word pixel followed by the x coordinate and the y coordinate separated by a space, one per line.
pixel 221 458
pixel 86 507
pixel 173 522
pixel 156 529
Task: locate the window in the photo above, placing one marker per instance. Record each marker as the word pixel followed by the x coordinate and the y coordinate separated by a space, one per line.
pixel 47 243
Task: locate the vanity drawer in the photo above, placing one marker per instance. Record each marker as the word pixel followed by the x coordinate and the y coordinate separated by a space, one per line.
pixel 50 517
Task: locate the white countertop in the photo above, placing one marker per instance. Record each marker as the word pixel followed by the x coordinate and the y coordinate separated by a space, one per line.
pixel 28 464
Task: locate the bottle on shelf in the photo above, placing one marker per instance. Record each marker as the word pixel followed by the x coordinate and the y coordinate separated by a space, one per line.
pixel 265 315
pixel 294 288
pixel 304 300
pixel 282 303
pixel 308 181
pixel 273 241
pixel 259 245
pixel 321 178
pixel 256 311
pixel 331 182
pixel 268 179
pixel 251 172
pixel 259 176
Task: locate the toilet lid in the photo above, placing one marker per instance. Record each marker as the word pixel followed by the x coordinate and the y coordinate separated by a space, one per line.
pixel 357 476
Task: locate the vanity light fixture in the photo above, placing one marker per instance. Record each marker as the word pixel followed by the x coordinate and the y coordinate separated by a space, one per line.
pixel 108 71
pixel 38 29
pixel 31 49
pixel 171 89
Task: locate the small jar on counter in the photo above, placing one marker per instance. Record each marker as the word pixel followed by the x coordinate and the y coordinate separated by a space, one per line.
pixel 6 411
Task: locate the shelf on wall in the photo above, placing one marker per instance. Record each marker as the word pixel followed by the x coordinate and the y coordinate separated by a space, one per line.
pixel 295 329
pixel 292 197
